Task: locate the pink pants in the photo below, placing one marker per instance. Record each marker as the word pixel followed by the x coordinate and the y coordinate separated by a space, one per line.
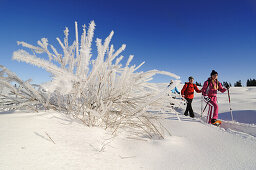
pixel 213 109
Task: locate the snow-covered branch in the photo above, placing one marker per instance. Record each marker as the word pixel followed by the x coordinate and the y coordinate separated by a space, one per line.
pixel 19 94
pixel 100 92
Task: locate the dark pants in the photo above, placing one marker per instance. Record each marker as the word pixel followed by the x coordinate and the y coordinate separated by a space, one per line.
pixel 189 108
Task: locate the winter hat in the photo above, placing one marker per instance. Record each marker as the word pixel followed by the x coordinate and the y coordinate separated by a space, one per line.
pixel 191 78
pixel 213 72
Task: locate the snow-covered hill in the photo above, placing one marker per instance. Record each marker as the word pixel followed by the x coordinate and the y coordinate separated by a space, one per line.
pixel 49 140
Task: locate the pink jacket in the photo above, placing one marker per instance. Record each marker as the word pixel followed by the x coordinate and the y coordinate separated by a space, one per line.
pixel 208 88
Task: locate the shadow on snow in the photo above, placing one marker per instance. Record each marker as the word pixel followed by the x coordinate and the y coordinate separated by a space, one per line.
pixel 242 116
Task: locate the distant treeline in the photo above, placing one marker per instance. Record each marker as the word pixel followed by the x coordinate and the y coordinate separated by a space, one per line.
pixel 250 82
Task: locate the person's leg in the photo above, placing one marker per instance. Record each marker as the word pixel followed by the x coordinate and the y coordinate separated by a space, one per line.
pixel 209 116
pixel 215 108
pixel 187 108
pixel 211 109
pixel 191 112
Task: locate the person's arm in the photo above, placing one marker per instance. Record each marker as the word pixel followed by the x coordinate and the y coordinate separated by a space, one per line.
pixel 177 90
pixel 221 89
pixel 196 89
pixel 204 88
pixel 183 89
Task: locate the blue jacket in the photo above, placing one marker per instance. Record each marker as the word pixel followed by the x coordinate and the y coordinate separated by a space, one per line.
pixel 175 90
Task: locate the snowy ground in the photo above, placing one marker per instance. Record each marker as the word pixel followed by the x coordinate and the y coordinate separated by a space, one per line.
pixel 27 141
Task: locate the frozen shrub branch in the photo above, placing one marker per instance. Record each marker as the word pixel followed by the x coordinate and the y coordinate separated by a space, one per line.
pixel 100 91
pixel 19 94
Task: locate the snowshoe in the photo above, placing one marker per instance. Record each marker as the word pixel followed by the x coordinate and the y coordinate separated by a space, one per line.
pixel 215 122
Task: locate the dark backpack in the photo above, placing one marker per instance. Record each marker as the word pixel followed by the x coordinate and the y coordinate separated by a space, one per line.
pixel 187 83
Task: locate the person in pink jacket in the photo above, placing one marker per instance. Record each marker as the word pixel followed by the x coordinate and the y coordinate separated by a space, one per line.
pixel 209 91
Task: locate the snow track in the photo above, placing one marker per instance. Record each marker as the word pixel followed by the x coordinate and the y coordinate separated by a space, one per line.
pixel 240 127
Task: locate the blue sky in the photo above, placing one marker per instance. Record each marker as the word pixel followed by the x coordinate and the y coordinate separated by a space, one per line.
pixel 189 38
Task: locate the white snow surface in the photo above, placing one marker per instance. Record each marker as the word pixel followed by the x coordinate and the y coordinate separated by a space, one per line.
pixel 50 140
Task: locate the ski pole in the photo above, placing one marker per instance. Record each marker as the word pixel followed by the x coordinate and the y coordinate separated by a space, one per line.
pixel 230 106
pixel 205 106
pixel 201 106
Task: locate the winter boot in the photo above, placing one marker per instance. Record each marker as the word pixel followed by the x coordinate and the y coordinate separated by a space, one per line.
pixel 192 115
pixel 215 122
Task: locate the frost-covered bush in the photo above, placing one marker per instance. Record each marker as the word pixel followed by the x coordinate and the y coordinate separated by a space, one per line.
pixel 18 94
pixel 101 91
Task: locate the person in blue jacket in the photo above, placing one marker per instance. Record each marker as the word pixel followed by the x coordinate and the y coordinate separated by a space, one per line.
pixel 174 90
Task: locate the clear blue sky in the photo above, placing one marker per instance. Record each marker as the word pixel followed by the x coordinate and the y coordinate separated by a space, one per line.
pixel 189 38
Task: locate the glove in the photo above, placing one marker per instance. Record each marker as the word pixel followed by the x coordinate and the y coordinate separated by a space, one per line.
pixel 227 86
pixel 207 99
